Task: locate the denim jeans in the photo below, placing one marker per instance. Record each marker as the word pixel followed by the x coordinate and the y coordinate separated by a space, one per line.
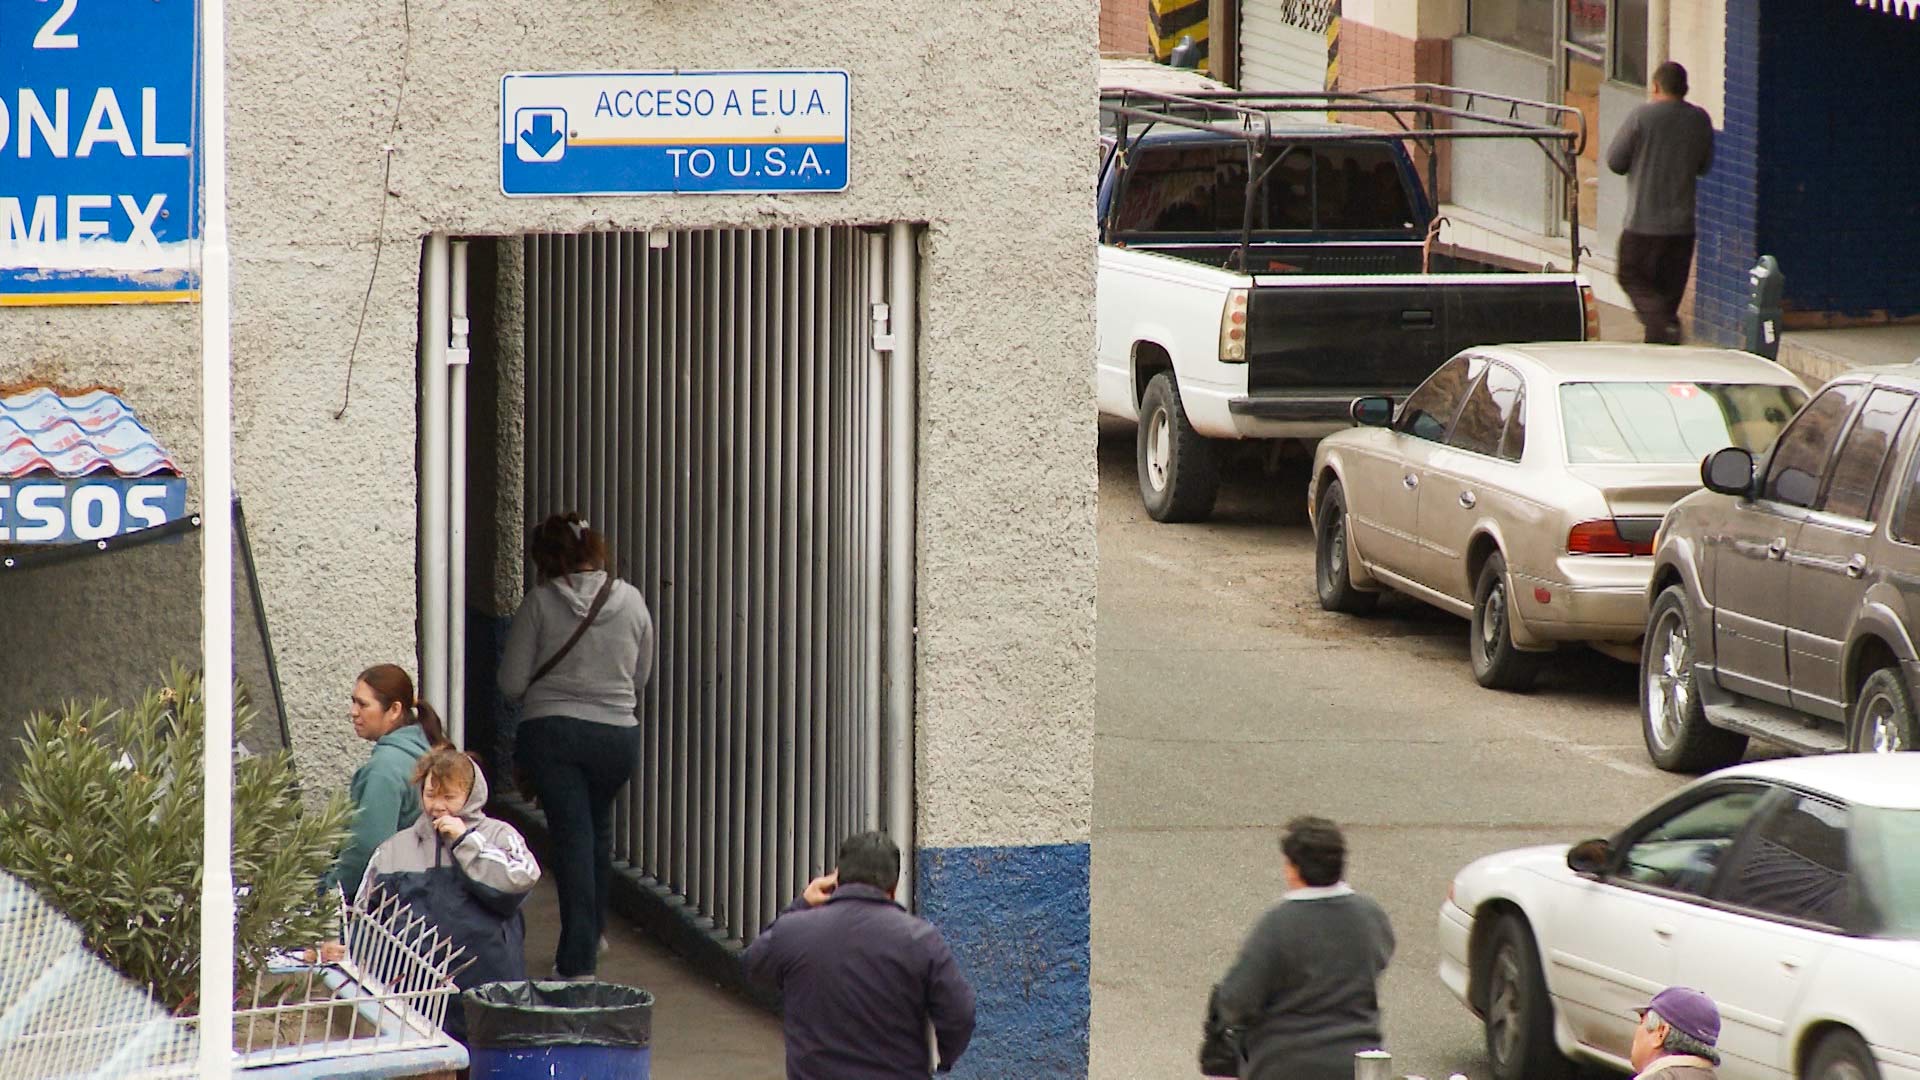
pixel 577 768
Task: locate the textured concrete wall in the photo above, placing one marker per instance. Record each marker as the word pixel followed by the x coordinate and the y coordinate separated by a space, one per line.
pixel 983 137
pixel 1697 38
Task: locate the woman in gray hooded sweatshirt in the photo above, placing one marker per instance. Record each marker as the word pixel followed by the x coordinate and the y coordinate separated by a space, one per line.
pixel 580 649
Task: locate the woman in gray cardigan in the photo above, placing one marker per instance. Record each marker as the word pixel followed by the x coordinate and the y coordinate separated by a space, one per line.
pixel 580 649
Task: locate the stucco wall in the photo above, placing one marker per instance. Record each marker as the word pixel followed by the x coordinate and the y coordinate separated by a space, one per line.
pixel 1697 38
pixel 983 137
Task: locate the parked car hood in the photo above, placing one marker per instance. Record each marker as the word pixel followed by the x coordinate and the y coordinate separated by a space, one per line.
pixel 1640 490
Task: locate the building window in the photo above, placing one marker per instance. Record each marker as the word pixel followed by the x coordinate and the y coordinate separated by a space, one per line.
pixel 1630 41
pixel 1523 24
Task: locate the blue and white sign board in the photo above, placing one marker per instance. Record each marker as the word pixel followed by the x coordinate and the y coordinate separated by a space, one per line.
pixel 661 132
pixel 51 510
pixel 98 117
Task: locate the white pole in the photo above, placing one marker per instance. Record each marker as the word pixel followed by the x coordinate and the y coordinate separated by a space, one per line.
pixel 216 572
pixel 902 386
pixel 433 474
pixel 457 355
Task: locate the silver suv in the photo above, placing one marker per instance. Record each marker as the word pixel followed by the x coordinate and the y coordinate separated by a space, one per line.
pixel 1785 596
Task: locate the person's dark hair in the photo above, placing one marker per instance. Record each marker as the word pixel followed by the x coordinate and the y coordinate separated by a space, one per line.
pixel 869 858
pixel 1316 849
pixel 391 683
pixel 564 543
pixel 1670 78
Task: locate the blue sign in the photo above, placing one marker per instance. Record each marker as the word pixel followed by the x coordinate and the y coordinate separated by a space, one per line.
pixel 55 511
pixel 659 132
pixel 98 188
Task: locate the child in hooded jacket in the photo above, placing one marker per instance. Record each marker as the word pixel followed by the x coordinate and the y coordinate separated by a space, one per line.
pixel 464 871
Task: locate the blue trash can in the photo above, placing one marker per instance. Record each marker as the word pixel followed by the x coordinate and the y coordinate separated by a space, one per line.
pixel 529 1030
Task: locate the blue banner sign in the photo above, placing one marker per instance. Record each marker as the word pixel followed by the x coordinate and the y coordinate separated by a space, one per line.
pixel 53 511
pixel 658 132
pixel 98 118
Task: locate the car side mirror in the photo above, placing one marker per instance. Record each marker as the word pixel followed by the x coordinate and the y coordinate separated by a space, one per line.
pixel 1371 411
pixel 1590 858
pixel 1729 471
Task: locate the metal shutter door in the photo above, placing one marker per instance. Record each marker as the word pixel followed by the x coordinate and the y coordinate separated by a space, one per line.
pixel 1283 45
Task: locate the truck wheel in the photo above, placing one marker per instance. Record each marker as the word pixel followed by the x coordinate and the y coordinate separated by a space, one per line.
pixel 1497 663
pixel 1882 721
pixel 1673 718
pixel 1178 474
pixel 1331 551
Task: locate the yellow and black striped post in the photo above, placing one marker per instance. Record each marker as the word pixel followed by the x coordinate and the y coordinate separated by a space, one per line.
pixel 1333 49
pixel 1170 20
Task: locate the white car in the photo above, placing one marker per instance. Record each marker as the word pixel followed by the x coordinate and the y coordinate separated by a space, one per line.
pixel 1788 890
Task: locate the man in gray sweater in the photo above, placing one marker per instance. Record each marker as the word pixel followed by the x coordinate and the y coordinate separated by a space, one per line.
pixel 1303 988
pixel 1663 149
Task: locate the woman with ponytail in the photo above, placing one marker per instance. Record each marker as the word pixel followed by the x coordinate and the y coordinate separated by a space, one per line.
pixel 580 649
pixel 401 728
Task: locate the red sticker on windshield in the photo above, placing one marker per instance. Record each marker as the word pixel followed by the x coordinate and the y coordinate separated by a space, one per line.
pixel 1682 389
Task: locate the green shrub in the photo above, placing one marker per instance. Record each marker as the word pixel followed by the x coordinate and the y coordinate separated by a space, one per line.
pixel 102 817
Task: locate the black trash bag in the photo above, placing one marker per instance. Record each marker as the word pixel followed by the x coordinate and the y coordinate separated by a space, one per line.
pixel 503 1015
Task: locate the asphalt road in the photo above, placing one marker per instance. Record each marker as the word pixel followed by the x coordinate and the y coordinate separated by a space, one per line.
pixel 1229 702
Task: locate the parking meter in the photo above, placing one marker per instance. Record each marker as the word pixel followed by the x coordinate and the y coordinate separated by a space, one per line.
pixel 1760 326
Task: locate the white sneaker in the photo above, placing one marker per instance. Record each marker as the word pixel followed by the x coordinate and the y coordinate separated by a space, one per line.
pixel 603 945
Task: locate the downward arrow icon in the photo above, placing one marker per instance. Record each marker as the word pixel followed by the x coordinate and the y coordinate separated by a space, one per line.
pixel 540 132
pixel 542 135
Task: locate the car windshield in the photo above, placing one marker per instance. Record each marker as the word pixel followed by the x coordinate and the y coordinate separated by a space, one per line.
pixel 1887 851
pixel 1657 423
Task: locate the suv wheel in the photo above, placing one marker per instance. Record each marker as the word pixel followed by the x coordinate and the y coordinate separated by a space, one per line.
pixel 1497 663
pixel 1178 474
pixel 1332 578
pixel 1672 718
pixel 1882 720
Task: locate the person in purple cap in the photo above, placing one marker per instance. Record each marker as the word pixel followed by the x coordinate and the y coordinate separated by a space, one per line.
pixel 1676 1036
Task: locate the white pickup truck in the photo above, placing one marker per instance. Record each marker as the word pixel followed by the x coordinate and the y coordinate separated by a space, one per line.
pixel 1260 267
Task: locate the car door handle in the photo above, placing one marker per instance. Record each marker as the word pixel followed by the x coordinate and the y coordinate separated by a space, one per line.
pixel 1467 500
pixel 1411 481
pixel 1778 548
pixel 1416 317
pixel 1664 933
pixel 1790 964
pixel 1856 566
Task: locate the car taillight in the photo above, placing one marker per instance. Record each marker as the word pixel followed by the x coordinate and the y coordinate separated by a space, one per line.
pixel 1233 328
pixel 1602 537
pixel 1590 308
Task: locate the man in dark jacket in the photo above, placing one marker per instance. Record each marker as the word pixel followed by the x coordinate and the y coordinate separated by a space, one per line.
pixel 1663 148
pixel 860 978
pixel 1304 987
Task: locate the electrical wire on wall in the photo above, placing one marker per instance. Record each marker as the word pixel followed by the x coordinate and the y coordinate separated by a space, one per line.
pixel 386 193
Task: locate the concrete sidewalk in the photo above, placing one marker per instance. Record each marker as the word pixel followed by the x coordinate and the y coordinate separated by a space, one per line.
pixel 700 1031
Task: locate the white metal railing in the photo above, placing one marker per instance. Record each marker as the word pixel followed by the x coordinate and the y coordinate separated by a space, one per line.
pixel 1378 1065
pixel 66 1013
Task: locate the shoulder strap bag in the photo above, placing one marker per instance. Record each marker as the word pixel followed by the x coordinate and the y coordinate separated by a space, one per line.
pixel 599 601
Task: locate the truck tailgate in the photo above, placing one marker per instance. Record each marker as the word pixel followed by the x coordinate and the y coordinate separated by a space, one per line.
pixel 1389 333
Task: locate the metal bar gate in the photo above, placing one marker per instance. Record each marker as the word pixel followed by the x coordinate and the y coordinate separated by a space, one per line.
pixel 715 401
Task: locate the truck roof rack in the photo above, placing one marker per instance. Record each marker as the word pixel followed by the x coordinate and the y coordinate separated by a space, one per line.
pixel 1421 113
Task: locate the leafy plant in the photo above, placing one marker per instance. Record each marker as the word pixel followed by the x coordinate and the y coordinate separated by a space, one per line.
pixel 103 819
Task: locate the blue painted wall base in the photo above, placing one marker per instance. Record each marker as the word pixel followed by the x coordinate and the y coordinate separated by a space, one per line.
pixel 1018 921
pixel 572 1062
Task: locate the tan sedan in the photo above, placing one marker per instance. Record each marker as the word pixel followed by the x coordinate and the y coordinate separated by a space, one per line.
pixel 1520 487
